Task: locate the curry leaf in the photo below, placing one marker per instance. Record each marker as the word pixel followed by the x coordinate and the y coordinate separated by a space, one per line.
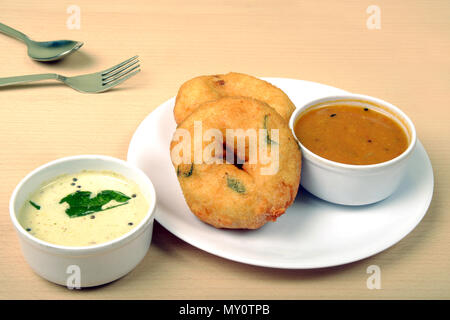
pixel 235 185
pixel 187 173
pixel 38 207
pixel 81 204
pixel 269 141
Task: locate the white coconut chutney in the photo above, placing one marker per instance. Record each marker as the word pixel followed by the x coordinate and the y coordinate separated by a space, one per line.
pixel 84 209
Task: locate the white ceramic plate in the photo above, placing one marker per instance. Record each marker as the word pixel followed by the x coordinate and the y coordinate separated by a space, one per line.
pixel 312 233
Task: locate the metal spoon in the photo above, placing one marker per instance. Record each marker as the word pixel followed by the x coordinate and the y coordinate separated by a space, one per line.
pixel 43 50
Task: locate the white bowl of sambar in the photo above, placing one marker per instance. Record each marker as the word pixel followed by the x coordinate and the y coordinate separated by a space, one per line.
pixel 355 147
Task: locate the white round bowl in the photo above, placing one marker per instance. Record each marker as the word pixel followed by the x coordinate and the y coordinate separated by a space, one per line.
pixel 354 184
pixel 93 265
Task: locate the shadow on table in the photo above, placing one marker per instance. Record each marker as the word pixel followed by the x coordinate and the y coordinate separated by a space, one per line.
pixel 76 61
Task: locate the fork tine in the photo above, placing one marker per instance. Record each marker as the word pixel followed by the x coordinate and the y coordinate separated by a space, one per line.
pixel 104 72
pixel 119 70
pixel 118 76
pixel 119 81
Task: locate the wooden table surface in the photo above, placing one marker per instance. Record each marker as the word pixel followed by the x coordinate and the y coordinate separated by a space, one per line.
pixel 406 62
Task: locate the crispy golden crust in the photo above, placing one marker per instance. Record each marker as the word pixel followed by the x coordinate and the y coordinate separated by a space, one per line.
pixel 228 196
pixel 207 88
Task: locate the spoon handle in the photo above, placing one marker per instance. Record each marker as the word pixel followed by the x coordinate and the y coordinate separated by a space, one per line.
pixel 27 78
pixel 13 32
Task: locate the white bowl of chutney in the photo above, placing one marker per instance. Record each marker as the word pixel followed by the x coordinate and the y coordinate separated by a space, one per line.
pixel 78 232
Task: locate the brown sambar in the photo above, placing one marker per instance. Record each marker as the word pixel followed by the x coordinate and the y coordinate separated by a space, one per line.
pixel 351 134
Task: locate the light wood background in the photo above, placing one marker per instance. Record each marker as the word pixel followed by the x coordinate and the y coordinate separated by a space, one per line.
pixel 406 62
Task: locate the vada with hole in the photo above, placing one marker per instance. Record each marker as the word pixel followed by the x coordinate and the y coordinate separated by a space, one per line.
pixel 228 183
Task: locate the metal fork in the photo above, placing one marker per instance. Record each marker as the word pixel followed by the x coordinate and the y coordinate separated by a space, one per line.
pixel 88 83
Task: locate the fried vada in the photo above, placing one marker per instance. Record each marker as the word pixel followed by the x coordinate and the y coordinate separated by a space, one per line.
pixel 207 88
pixel 218 189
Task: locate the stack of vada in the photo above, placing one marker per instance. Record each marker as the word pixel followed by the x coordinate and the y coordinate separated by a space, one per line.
pixel 235 194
